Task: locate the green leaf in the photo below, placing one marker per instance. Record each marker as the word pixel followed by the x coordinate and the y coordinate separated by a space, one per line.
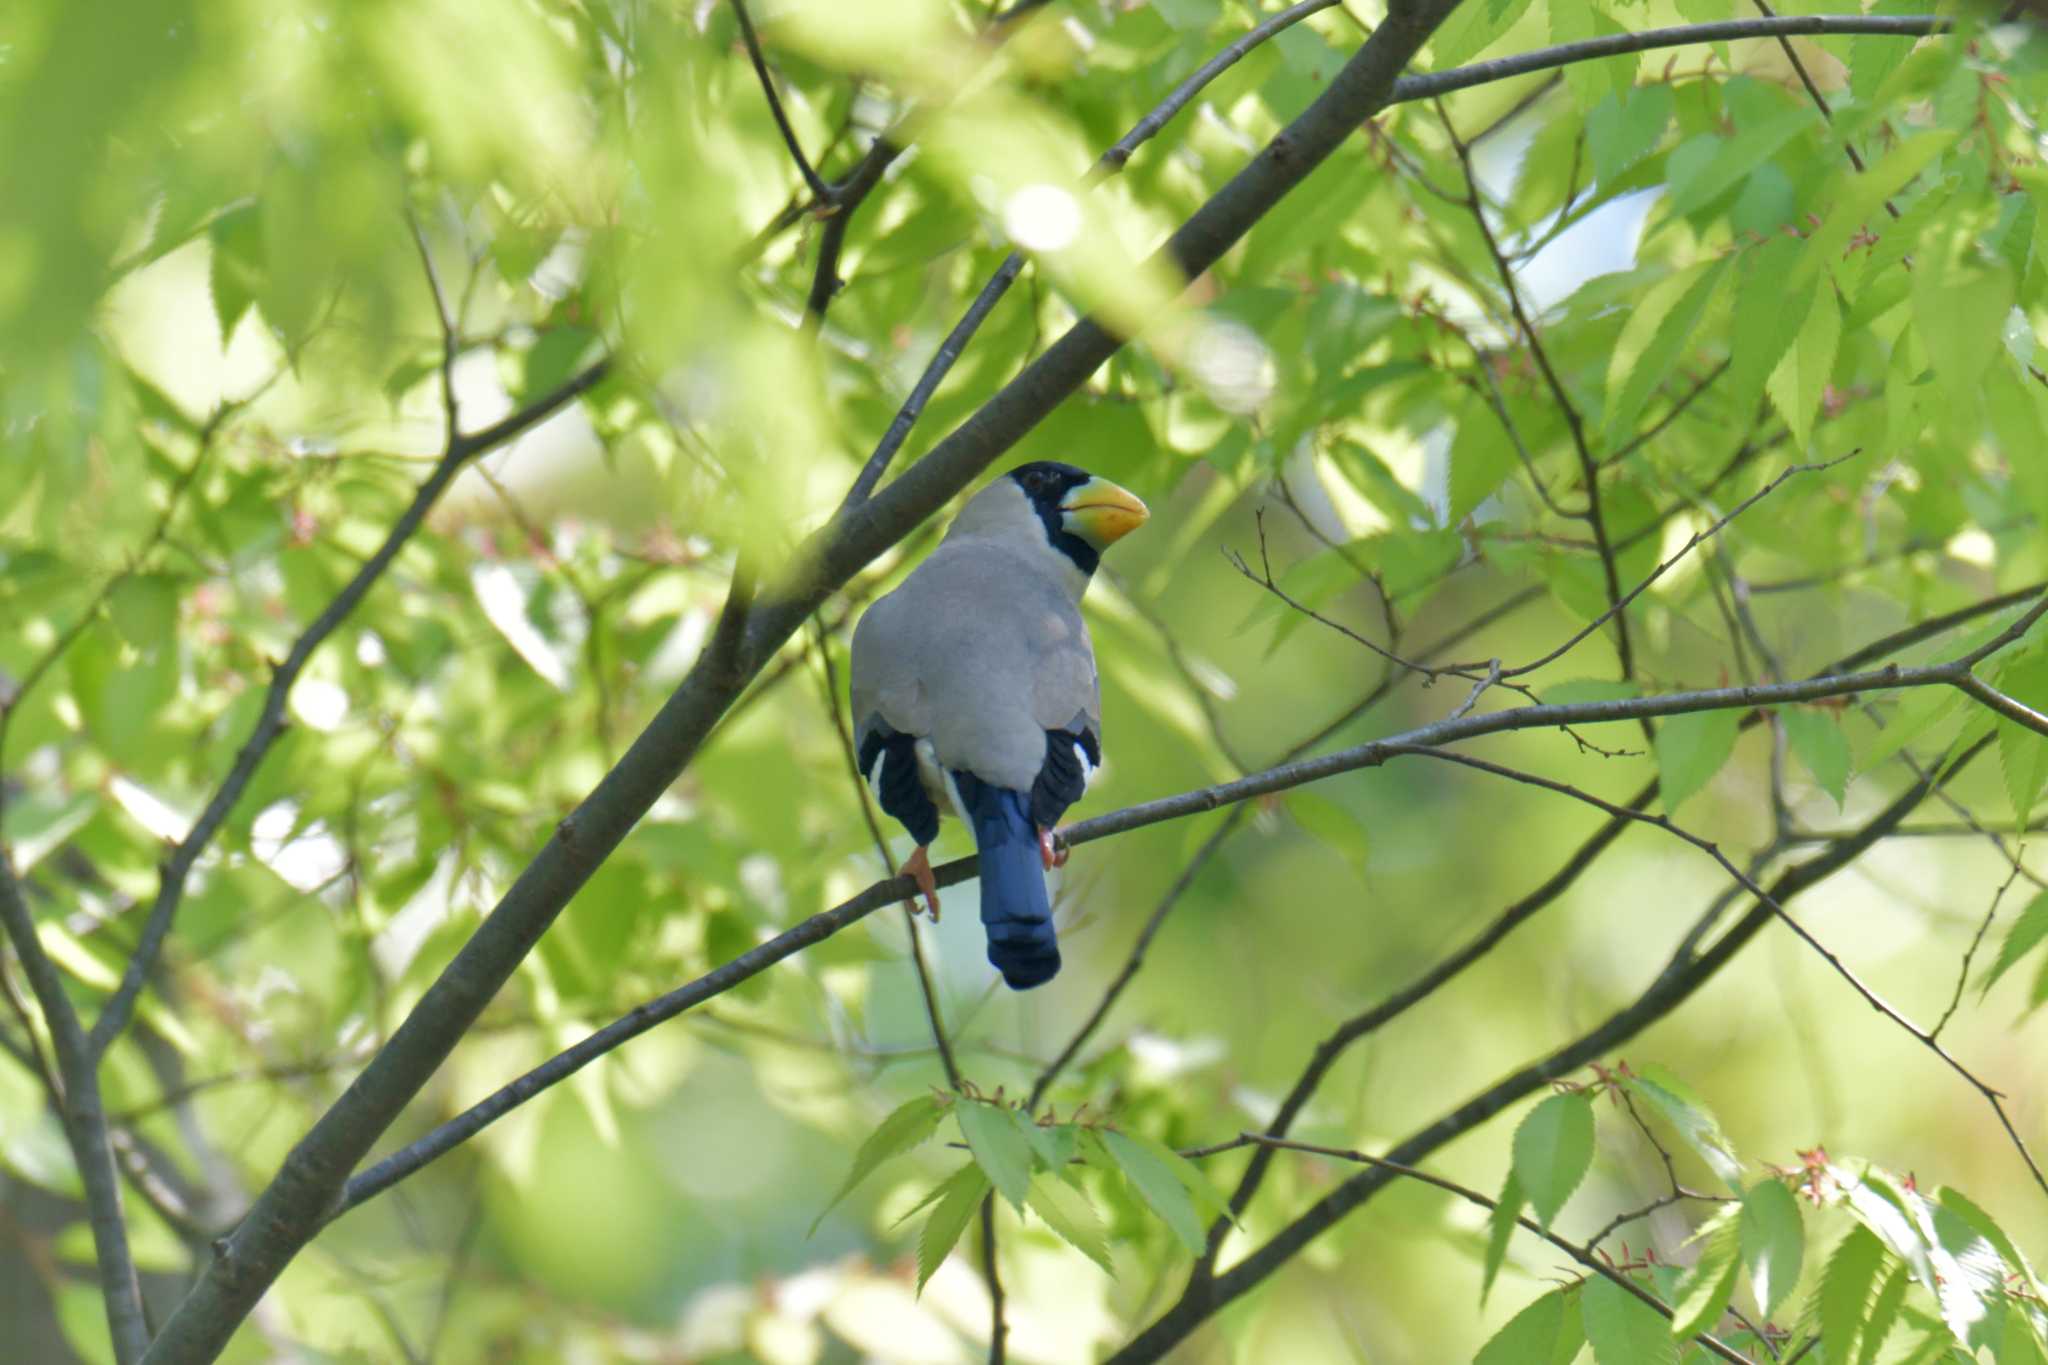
pixel 911 1123
pixel 1159 1184
pixel 1621 131
pixel 1816 738
pixel 1845 1288
pixel 1622 1328
pixel 1001 1151
pixel 1589 689
pixel 1773 1242
pixel 1547 1332
pixel 1921 711
pixel 1653 339
pixel 1686 1113
pixel 1690 749
pixel 958 1198
pixel 1332 824
pixel 1482 457
pixel 1553 1150
pixel 1880 1208
pixel 2023 753
pixel 1766 318
pixel 2025 935
pixel 2016 1263
pixel 1704 1290
pixel 1066 1211
pixel 1883 1315
pixel 1590 82
pixel 144 608
pixel 1798 383
pixel 1471 29
pixel 235 269
pixel 1862 197
pixel 1500 1229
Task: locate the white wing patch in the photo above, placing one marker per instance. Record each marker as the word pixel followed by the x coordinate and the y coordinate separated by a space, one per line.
pixel 938 782
pixel 1087 767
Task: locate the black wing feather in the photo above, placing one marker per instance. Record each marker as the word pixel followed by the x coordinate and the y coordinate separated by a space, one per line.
pixel 1062 779
pixel 897 786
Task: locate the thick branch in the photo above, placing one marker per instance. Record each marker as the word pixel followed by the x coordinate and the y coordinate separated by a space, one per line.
pixel 1287 775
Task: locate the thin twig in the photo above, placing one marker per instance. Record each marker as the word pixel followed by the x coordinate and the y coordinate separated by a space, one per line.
pixel 1585 1254
pixel 796 151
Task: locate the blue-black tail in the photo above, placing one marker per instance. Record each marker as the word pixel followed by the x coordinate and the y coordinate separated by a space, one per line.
pixel 1014 908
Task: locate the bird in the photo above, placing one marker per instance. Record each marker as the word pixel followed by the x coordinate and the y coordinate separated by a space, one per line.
pixel 974 693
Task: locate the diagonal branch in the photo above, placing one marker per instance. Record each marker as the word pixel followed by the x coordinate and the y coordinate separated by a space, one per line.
pixel 270 722
pixel 1584 1254
pixel 1281 778
pixel 796 152
pixel 85 1124
pixel 1684 974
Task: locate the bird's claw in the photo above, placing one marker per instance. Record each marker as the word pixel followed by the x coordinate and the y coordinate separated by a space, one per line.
pixel 1049 855
pixel 919 870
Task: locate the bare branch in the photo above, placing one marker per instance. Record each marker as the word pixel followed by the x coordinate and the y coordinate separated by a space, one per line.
pixel 796 152
pixel 1584 1254
pixel 1411 88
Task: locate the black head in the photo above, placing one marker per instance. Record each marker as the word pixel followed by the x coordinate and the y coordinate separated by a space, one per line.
pixel 1047 483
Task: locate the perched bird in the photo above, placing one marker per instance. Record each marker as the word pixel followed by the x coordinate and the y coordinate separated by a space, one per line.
pixel 974 692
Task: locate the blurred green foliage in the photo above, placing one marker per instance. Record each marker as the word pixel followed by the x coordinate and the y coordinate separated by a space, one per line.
pixel 231 232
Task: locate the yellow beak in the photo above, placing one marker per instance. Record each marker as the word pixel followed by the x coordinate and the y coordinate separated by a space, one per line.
pixel 1100 512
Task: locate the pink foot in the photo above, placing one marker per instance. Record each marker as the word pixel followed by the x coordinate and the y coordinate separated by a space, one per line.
pixel 1048 855
pixel 919 870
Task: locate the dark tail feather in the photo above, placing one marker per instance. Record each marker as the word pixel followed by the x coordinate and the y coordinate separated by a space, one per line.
pixel 1014 907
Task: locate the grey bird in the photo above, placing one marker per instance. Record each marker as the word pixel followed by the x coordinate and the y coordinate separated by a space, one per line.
pixel 975 694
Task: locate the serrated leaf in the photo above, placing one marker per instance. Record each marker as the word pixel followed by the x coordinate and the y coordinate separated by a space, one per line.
pixel 1845 1288
pixel 2016 1262
pixel 910 1124
pixel 1801 377
pixel 958 1198
pixel 1883 1314
pixel 1923 709
pixel 1689 1115
pixel 2023 753
pixel 2025 935
pixel 1066 1211
pixel 1159 1185
pixel 1000 1149
pixel 1622 1328
pixel 1500 1230
pixel 1818 742
pixel 1879 1207
pixel 1549 1331
pixel 1773 1242
pixel 1482 457
pixel 235 269
pixel 1705 1289
pixel 1623 129
pixel 1653 339
pixel 1553 1150
pixel 1690 749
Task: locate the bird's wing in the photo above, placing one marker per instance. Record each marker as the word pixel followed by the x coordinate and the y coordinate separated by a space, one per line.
pixel 983 652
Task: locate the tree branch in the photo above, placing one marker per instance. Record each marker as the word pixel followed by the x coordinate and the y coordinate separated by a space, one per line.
pixel 1583 1254
pixel 85 1124
pixel 270 722
pixel 796 152
pixel 1410 88
pixel 1684 974
pixel 890 891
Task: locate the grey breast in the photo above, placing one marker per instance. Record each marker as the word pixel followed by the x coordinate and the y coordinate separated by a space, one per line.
pixel 982 652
